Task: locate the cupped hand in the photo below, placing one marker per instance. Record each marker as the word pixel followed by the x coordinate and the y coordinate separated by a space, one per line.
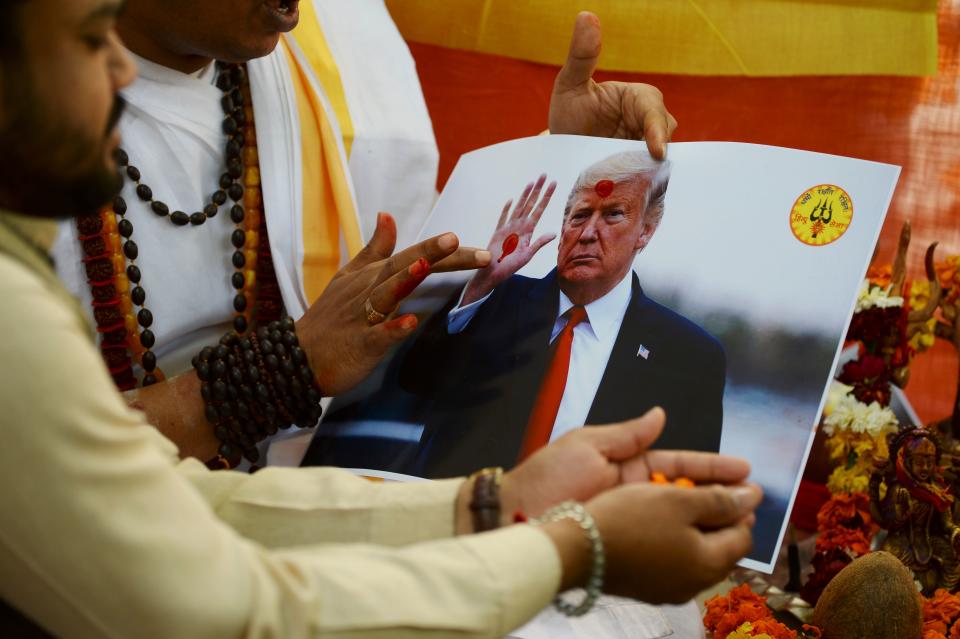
pixel 604 457
pixel 342 343
pixel 581 106
pixel 512 245
pixel 665 544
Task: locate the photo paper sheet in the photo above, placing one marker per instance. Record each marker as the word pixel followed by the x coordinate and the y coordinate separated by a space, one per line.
pixel 717 285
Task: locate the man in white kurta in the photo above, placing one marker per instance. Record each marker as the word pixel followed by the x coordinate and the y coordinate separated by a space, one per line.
pixel 172 132
pixel 355 65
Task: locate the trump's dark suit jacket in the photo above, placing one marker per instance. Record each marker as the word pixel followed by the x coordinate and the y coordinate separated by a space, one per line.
pixel 484 379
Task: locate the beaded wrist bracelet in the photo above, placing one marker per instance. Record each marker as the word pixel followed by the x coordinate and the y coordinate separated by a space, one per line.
pixel 485 499
pixel 594 588
pixel 253 386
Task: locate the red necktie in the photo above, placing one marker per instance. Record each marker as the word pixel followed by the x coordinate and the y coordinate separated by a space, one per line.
pixel 547 405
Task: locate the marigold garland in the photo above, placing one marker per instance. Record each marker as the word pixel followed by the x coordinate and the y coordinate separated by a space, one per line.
pixel 948 272
pixel 856 434
pixel 743 614
pixel 880 275
pixel 940 613
pixel 771 629
pixel 847 511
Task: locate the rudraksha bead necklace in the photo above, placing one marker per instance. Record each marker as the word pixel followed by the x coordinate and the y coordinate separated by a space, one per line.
pixel 131 334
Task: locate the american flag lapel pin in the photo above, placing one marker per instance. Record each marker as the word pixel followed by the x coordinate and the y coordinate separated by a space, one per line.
pixel 643 352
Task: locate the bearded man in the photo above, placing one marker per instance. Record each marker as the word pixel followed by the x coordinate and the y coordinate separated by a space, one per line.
pixel 248 184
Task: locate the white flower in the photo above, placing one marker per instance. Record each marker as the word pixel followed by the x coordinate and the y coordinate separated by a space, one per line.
pixel 871 296
pixel 849 413
pixel 836 393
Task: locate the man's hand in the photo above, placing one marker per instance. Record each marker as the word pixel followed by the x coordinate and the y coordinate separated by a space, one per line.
pixel 512 245
pixel 665 544
pixel 342 346
pixel 604 457
pixel 609 109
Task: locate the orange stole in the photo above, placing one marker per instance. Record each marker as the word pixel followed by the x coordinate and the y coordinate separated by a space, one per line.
pixel 328 208
pixel 312 42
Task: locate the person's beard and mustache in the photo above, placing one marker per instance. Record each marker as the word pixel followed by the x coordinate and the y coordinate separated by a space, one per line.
pixel 50 170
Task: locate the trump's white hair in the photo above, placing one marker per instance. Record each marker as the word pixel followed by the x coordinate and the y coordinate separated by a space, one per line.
pixel 623 168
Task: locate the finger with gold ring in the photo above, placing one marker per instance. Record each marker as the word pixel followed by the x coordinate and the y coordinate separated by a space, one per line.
pixel 373 315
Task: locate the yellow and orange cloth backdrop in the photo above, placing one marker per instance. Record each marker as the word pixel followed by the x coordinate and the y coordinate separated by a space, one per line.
pixel 873 79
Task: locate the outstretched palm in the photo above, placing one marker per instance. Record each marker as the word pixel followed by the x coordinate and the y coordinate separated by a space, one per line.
pixel 512 245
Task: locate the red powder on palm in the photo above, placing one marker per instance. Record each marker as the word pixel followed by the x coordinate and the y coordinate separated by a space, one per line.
pixel 510 244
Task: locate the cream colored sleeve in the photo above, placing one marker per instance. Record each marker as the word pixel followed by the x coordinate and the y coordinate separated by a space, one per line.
pixel 281 507
pixel 104 535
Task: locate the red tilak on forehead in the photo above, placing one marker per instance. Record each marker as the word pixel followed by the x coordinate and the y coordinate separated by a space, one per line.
pixel 604 188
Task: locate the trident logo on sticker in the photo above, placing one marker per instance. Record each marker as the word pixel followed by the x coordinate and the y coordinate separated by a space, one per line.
pixel 821 215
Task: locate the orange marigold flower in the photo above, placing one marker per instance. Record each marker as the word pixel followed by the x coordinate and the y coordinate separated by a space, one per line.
pixel 955 631
pixel 940 610
pixel 726 613
pixel 846 510
pixel 856 541
pixel 933 634
pixel 774 628
pixel 880 275
pixel 947 271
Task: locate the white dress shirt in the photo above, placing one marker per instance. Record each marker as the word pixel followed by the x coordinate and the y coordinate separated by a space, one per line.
pixel 593 341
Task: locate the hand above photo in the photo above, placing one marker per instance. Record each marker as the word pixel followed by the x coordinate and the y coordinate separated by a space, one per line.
pixel 581 106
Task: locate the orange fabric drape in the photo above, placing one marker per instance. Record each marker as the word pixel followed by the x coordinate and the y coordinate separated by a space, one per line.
pixel 329 213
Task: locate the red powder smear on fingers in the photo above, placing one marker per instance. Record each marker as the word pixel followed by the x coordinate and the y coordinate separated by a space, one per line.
pixel 509 246
pixel 417 272
pixel 604 188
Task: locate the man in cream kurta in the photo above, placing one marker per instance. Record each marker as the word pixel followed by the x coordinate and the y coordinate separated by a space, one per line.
pixel 108 534
pixel 167 549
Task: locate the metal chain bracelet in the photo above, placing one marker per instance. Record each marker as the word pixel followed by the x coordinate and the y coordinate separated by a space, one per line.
pixel 594 588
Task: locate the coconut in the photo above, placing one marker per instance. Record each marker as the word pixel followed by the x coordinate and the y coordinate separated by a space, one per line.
pixel 874 597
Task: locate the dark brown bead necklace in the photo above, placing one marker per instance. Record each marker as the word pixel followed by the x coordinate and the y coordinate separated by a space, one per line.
pixel 237 127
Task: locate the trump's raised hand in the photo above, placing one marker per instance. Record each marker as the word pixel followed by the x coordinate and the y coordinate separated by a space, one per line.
pixel 512 245
pixel 581 106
